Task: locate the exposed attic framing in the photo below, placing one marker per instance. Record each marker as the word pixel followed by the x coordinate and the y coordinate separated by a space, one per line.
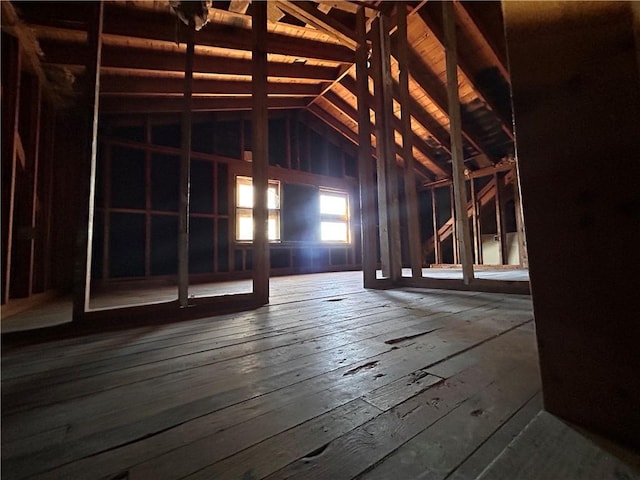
pixel 310 66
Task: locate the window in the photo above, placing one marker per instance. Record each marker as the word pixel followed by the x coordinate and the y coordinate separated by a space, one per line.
pixel 244 209
pixel 334 216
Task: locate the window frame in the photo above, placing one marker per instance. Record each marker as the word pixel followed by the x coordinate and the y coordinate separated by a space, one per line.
pixel 344 219
pixel 243 211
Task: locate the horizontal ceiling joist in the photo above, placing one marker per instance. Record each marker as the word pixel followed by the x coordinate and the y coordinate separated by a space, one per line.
pixel 128 58
pixel 141 86
pixel 111 104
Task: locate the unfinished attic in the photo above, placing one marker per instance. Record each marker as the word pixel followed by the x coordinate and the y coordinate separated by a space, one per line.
pixel 301 239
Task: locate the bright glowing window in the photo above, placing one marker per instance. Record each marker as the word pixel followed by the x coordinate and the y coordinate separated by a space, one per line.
pixel 334 216
pixel 244 209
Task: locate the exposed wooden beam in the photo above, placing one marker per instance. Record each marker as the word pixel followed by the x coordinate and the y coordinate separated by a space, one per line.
pixel 86 196
pixel 131 58
pixel 157 105
pixel 338 126
pixel 365 165
pixel 436 167
pixel 388 198
pixel 436 237
pixel 131 85
pixel 307 12
pixel 185 170
pixel 459 187
pixel 260 149
pixel 500 229
pixel 12 68
pixel 411 197
pixel 239 6
pixel 435 90
pixel 438 31
pixel 163 28
pixel 482 172
pixel 468 24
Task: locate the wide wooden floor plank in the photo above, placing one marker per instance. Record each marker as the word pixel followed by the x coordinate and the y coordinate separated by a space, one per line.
pixel 297 387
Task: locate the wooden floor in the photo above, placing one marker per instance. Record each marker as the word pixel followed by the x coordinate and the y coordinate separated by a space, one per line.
pixel 330 381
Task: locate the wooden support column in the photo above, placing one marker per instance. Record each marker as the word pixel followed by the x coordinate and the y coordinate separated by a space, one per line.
pixel 499 219
pixel 436 236
pixel 260 138
pixel 522 239
pixel 26 189
pixel 454 226
pixel 459 188
pixel 185 170
pixel 365 165
pixel 411 196
pixel 84 239
pixel 475 215
pixel 388 202
pixel 11 75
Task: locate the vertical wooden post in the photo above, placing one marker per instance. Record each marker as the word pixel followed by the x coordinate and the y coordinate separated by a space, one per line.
pixel 84 240
pixel 460 191
pixel 383 215
pixel 411 196
pixel 365 166
pixel 388 201
pixel 437 250
pixel 499 220
pixel 522 240
pixel 260 138
pixel 11 75
pixel 454 227
pixel 185 167
pixel 106 216
pixel 477 238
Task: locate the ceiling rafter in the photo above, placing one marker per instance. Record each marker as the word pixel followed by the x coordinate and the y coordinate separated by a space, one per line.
pixel 307 12
pixel 73 53
pixel 432 24
pixel 435 90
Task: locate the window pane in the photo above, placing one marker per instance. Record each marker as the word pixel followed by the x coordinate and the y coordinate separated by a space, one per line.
pixel 333 231
pixel 273 199
pixel 245 194
pixel 333 204
pixel 244 225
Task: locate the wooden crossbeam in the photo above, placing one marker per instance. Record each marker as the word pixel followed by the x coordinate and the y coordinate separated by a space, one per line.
pixel 119 85
pixel 157 105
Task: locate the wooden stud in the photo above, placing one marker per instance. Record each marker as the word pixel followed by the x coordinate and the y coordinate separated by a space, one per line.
pixel 185 167
pixel 454 226
pixel 411 197
pixel 520 227
pixel 84 240
pixel 365 166
pixel 10 114
pixel 260 138
pixel 388 141
pixel 500 234
pixel 436 237
pixel 459 187
pixel 475 222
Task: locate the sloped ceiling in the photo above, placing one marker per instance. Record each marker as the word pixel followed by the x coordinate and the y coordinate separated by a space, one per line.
pixel 311 65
